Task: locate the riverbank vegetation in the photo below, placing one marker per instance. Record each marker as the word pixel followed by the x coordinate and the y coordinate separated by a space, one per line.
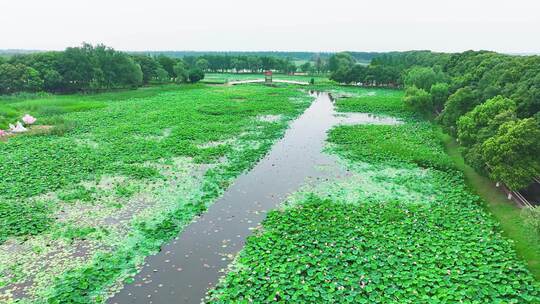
pixel 490 102
pixel 138 165
pixel 403 227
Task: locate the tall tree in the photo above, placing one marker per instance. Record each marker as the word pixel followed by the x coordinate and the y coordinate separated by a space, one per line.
pixel 148 66
pixel 181 72
pixel 484 120
pixel 513 154
pixel 202 64
pixel 459 103
pixel 340 60
pixel 195 75
pixel 305 67
pixel 423 77
pixel 419 99
pixel 76 67
pixel 19 78
pixel 439 94
pixel 167 63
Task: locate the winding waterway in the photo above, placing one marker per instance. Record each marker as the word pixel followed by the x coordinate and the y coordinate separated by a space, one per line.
pixel 187 267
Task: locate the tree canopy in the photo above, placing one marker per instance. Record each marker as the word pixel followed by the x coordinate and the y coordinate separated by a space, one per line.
pixel 484 98
pixel 512 155
pixel 423 77
pixel 87 68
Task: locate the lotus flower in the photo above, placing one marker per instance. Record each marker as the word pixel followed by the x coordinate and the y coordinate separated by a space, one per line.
pixel 3 133
pixel 18 128
pixel 28 119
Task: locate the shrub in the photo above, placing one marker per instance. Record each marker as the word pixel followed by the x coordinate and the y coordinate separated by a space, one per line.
pixel 195 75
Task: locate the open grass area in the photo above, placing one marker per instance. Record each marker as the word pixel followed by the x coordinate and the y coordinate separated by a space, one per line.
pixel 404 227
pixel 226 77
pixel 81 208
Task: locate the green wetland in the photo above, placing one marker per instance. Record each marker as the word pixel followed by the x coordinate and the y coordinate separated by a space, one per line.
pixel 403 228
pixel 118 175
pixel 84 206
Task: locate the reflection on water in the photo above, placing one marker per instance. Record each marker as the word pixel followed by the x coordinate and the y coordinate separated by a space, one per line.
pixel 351 118
pixel 191 264
pixel 366 118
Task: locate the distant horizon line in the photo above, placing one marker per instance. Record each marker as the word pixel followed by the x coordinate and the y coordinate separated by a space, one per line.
pixel 268 51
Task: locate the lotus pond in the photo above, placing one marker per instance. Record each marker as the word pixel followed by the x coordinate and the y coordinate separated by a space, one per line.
pixel 119 175
pixel 402 228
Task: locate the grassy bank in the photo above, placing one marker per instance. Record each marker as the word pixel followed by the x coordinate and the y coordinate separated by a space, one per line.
pixel 526 240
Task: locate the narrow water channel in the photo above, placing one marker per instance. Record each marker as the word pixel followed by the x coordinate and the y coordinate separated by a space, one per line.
pixel 187 267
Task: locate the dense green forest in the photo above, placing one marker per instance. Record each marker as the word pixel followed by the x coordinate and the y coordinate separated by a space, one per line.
pixel 96 68
pixel 489 101
pixel 89 68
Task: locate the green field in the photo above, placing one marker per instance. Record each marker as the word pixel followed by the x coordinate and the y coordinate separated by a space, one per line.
pixel 118 175
pixel 403 228
pixel 220 78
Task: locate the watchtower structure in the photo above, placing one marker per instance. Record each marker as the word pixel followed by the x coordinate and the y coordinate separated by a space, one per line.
pixel 268 77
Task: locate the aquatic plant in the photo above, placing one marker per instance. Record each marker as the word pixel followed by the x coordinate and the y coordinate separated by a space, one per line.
pixel 328 251
pixel 154 147
pixel 425 239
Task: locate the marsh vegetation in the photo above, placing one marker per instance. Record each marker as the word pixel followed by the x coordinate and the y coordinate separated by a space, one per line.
pixel 122 164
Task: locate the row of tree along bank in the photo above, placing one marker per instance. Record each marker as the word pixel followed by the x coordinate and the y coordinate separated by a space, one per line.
pixel 242 63
pixel 90 68
pixel 254 62
pixel 489 101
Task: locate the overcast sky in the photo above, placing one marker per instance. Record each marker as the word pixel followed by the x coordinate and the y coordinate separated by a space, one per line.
pixel 291 25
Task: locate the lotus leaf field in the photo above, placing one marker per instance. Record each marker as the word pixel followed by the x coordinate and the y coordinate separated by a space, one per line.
pixel 120 174
pixel 116 175
pixel 402 228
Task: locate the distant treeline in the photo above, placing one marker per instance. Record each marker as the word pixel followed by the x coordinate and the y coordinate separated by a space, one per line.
pixel 245 63
pixel 305 56
pixel 95 68
pixel 89 68
pixel 489 101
